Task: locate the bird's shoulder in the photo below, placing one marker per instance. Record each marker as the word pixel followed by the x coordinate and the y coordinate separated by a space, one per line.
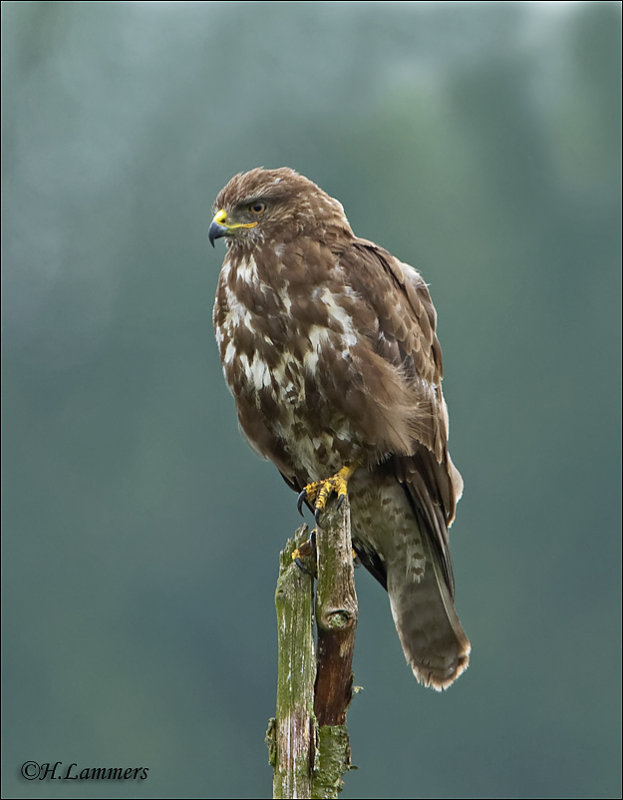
pixel 405 319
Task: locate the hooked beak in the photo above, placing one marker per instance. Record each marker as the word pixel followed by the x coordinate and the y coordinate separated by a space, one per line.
pixel 217 229
pixel 220 227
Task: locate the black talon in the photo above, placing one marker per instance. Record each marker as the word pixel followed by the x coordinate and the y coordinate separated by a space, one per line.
pixel 301 499
pixel 317 516
pixel 301 566
pixel 340 500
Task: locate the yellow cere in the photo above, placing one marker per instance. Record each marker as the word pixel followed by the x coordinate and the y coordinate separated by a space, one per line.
pixel 221 219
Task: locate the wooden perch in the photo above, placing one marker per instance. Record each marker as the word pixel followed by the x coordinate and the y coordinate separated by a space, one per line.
pixel 336 617
pixel 291 734
pixel 308 741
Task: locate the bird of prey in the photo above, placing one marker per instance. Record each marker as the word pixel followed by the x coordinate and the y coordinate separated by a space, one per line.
pixel 329 348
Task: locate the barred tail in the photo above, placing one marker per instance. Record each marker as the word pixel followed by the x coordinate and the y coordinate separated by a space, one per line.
pixel 431 635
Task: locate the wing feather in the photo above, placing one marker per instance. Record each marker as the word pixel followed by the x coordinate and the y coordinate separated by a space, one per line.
pixel 405 336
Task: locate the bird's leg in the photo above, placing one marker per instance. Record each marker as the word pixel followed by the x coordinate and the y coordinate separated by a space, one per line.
pixel 318 492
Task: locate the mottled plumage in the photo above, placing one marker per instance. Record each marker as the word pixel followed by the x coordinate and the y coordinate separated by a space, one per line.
pixel 328 345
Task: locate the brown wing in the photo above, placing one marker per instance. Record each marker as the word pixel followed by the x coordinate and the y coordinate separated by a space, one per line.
pixel 404 335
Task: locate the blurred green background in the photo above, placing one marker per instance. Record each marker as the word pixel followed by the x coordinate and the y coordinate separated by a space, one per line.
pixel 479 142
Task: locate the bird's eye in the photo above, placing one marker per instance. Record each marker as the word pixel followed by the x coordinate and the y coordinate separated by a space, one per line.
pixel 257 208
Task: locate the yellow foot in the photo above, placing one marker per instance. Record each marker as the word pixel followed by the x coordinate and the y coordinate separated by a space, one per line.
pixel 305 552
pixel 318 492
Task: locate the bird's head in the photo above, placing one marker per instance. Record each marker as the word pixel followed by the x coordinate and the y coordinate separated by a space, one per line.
pixel 274 204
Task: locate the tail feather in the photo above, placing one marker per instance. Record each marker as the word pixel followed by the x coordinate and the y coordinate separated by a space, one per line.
pixel 431 635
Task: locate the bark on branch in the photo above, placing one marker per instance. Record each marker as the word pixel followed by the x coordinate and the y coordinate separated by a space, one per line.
pixel 336 617
pixel 308 741
pixel 291 735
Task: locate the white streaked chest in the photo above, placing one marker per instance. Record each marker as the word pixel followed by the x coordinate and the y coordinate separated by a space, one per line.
pixel 284 361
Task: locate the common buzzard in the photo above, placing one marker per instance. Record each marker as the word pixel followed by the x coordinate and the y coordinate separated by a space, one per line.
pixel 329 348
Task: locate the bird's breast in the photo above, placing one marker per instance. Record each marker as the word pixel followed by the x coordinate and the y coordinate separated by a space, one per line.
pixel 279 362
